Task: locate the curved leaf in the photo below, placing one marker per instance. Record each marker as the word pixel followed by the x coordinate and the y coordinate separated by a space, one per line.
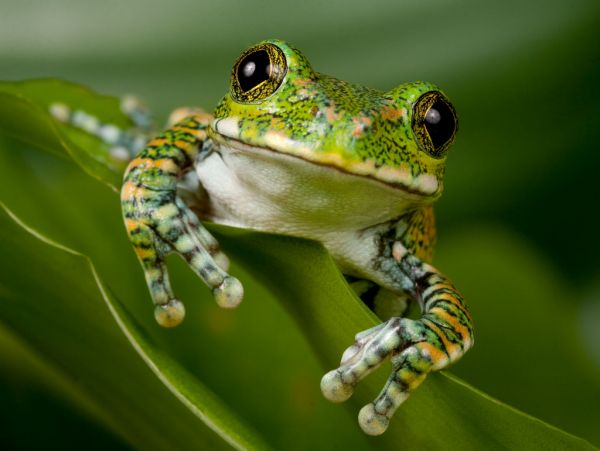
pixel 443 413
pixel 270 378
pixel 31 389
pixel 78 317
pixel 24 114
pixel 529 344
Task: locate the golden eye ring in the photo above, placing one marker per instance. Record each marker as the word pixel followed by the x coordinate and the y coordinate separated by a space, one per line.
pixel 434 123
pixel 257 73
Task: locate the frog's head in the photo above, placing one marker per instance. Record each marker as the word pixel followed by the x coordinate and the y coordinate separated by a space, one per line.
pixel 277 102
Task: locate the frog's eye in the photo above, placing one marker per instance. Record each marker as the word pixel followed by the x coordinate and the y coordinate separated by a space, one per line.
pixel 434 123
pixel 258 73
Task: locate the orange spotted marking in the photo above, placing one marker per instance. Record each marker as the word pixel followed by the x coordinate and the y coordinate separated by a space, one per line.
pixel 128 190
pixel 141 163
pixel 182 145
pixel 143 253
pixel 131 224
pixel 437 355
pixel 389 113
pixel 302 81
pixel 167 165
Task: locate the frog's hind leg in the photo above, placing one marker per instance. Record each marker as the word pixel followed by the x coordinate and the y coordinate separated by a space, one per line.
pixel 123 144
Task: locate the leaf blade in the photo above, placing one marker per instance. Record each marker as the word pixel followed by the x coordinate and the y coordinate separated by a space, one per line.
pixel 215 415
pixel 437 405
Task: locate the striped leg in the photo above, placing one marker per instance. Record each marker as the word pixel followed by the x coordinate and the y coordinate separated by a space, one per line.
pixel 416 347
pixel 159 222
pixel 203 236
pixel 123 144
pixel 149 248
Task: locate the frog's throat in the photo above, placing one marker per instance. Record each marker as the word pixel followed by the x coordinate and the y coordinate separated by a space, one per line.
pixel 423 186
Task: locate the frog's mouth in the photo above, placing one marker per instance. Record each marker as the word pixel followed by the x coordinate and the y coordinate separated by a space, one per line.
pixel 226 132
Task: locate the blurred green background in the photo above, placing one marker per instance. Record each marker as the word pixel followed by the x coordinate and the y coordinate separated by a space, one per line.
pixel 518 224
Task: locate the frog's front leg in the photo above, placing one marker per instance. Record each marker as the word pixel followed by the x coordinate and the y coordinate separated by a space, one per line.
pixel 158 221
pixel 416 347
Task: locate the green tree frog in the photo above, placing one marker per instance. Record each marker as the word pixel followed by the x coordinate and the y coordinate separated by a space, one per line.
pixel 291 151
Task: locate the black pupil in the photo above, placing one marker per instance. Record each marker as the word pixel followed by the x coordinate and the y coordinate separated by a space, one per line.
pixel 440 123
pixel 253 70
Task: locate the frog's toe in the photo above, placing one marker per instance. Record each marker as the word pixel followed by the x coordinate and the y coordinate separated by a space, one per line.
pixel 372 422
pixel 350 353
pixel 60 111
pixel 133 107
pixel 230 293
pixel 227 290
pixel 334 388
pixel 374 417
pixel 195 227
pixel 360 359
pixel 411 366
pixel 150 249
pixel 120 153
pixel 361 339
pixel 170 314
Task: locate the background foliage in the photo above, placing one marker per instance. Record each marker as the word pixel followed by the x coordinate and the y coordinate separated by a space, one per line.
pixel 517 225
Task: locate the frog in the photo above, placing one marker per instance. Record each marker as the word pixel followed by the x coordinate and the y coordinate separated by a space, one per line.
pixel 291 151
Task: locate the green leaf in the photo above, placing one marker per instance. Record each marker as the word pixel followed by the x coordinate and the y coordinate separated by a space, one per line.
pixel 258 346
pixel 462 417
pixel 458 414
pixel 31 389
pixel 24 114
pixel 530 348
pixel 79 326
pixel 275 391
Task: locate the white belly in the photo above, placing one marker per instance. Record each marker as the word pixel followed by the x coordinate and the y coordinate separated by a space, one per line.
pixel 272 192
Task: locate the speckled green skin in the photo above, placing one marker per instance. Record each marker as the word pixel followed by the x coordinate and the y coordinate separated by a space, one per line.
pixel 331 121
pixel 327 126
